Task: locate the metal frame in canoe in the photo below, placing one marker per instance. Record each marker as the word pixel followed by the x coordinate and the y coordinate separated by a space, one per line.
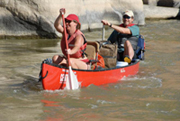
pixel 54 77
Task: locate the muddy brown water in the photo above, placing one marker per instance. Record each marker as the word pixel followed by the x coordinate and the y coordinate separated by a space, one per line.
pixel 152 94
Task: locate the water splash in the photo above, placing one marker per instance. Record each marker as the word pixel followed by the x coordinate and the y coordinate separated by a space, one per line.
pixel 142 82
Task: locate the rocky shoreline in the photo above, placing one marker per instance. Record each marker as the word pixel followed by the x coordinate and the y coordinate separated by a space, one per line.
pixel 34 19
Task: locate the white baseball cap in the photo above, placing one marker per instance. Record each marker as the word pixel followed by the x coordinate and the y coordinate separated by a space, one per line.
pixel 128 13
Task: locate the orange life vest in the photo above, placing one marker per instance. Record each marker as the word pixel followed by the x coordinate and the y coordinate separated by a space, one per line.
pixel 71 42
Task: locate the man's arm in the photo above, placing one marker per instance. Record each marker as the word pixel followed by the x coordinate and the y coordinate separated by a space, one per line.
pixel 121 30
pixel 117 28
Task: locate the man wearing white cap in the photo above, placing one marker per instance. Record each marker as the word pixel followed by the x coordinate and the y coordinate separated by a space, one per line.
pixel 125 35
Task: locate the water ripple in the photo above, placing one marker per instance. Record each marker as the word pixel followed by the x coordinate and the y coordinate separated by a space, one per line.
pixel 144 82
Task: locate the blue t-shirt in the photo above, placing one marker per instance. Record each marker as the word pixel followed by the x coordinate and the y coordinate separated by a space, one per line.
pixel 134 30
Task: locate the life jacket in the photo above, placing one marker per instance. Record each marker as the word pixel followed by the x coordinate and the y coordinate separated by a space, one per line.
pixel 71 42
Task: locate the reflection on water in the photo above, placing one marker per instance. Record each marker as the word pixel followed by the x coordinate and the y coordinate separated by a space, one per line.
pixel 153 94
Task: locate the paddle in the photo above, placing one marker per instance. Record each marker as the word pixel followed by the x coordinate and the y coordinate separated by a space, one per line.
pixel 103 32
pixel 71 82
pixel 103 36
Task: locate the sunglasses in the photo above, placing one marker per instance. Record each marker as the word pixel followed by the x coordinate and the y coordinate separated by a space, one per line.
pixel 126 17
pixel 69 21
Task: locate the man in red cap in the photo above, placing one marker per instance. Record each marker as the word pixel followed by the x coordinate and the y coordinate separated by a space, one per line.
pixel 126 36
pixel 76 42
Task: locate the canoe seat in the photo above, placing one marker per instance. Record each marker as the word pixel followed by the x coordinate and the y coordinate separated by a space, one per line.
pixel 92 50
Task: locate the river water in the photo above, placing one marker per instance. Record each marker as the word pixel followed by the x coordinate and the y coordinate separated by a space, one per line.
pixel 152 94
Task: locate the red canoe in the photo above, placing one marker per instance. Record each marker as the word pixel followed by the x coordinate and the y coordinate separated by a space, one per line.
pixel 54 77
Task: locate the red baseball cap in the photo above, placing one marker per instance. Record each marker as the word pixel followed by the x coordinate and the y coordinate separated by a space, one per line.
pixel 72 17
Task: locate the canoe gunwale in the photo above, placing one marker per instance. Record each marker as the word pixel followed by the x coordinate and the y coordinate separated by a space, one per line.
pixel 105 69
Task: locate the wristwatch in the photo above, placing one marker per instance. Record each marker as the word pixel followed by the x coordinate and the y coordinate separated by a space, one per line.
pixel 110 25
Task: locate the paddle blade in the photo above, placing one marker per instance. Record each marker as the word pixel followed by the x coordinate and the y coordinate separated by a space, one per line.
pixel 72 82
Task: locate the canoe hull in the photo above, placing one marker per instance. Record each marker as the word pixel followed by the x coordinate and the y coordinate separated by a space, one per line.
pixel 54 78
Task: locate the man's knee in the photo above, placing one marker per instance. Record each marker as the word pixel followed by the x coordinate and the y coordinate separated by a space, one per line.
pixel 127 43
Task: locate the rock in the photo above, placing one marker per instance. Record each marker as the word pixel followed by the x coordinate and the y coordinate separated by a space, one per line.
pixel 176 3
pixel 153 12
pixel 161 9
pixel 36 17
pixel 169 3
pixel 164 3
